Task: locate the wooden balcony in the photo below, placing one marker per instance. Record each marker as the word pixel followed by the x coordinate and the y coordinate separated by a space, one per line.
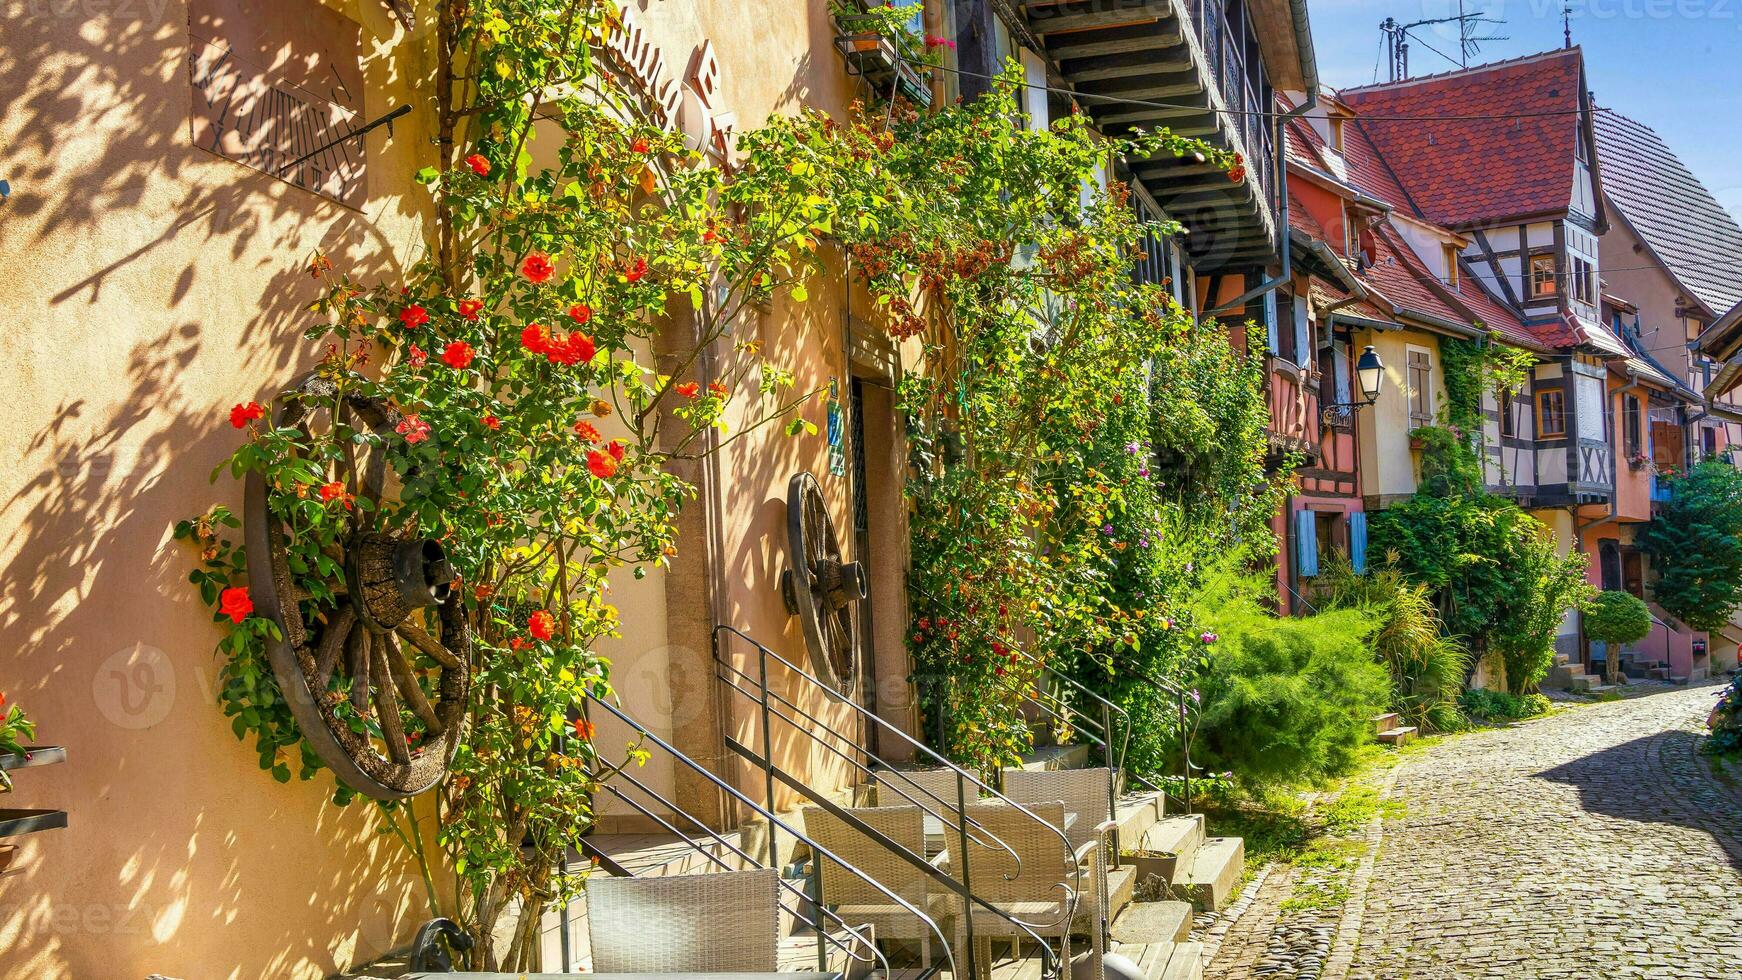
pixel 1183 65
pixel 1295 424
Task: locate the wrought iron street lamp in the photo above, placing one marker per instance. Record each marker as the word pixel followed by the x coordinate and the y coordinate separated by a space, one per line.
pixel 1370 376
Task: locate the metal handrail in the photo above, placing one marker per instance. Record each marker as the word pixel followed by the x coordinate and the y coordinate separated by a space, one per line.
pixel 1050 967
pixel 1108 708
pixel 774 820
pixel 669 827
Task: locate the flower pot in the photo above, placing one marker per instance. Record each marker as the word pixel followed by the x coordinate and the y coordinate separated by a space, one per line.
pixel 1417 444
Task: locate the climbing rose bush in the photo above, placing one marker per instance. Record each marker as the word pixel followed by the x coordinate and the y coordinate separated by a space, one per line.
pixel 539 438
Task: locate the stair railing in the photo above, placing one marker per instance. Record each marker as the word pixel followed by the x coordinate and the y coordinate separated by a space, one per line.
pixel 824 939
pixel 772 705
pixel 1183 700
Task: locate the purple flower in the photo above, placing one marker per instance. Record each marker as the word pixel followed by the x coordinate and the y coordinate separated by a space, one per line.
pixel 1209 638
pixel 1143 472
pixel 1133 448
pixel 1143 542
pixel 1196 697
pixel 1107 529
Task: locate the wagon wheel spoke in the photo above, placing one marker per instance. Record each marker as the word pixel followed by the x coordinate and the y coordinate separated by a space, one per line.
pixel 429 645
pixel 359 648
pixel 387 705
pixel 405 681
pixel 339 629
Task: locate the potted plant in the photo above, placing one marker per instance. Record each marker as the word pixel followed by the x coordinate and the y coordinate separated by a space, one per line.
pixel 1638 460
pixel 880 43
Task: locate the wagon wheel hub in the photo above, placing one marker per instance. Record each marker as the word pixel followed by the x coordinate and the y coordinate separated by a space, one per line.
pixel 378 675
pixel 819 587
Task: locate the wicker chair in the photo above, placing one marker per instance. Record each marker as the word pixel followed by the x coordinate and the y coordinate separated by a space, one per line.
pixel 1084 792
pixel 931 789
pixel 707 923
pixel 854 899
pixel 1037 887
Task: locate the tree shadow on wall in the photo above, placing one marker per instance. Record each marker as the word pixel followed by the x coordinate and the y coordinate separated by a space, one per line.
pixel 173 287
pixel 1632 781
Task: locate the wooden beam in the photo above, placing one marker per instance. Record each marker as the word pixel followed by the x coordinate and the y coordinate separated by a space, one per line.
pixel 1069 23
pixel 1132 64
pixel 1077 47
pixel 1153 89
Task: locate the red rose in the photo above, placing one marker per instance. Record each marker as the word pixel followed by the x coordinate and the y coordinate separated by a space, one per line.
pixel 491 422
pixel 617 449
pixel 640 145
pixel 601 465
pixel 335 491
pixel 719 390
pixel 414 429
pixel 583 729
pixel 416 356
pixel 576 348
pixel 458 355
pixel 535 338
pixel 413 316
pixel 689 389
pixel 585 430
pixel 234 603
pixel 518 643
pixel 470 308
pixel 635 272
pixel 245 413
pixel 537 268
pixel 580 313
pixel 479 165
pixel 542 625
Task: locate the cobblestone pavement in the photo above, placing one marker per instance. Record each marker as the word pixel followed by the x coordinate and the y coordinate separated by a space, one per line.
pixel 1591 844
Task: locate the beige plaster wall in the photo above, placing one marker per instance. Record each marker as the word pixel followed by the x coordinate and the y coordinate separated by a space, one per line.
pixel 1388 467
pixel 150 286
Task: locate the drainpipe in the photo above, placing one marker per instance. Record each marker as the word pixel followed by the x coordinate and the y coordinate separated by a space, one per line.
pixel 1303 39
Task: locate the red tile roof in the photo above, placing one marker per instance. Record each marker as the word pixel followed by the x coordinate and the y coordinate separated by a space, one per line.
pixel 1463 171
pixel 1496 316
pixel 1398 275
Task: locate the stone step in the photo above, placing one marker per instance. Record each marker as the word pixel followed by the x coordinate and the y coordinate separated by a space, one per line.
pixel 1169 846
pixel 1386 722
pixel 1583 682
pixel 1137 812
pixel 1397 736
pixel 1214 873
pixel 1050 757
pixel 1154 922
pixel 1602 688
pixel 1121 885
pixel 1657 673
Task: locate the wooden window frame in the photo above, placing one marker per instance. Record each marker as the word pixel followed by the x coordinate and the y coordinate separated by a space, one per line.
pixel 1542 413
pixel 1508 425
pixel 1537 288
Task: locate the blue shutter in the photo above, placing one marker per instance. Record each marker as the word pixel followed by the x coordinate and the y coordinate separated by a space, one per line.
pixel 1306 543
pixel 1358 542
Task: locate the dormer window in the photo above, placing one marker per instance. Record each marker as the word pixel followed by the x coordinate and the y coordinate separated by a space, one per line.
pixel 1450 255
pixel 1337 133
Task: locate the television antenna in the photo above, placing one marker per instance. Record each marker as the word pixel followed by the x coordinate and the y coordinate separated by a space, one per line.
pixel 1397 39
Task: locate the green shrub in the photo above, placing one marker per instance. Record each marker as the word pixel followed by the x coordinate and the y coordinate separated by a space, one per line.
pixel 1427 667
pixel 1285 701
pixel 1695 544
pixel 1484 705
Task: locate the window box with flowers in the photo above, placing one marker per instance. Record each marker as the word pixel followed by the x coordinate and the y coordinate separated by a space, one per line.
pixel 1638 461
pixel 885 45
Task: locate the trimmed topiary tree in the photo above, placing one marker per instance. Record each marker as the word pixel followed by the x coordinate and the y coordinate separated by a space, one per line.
pixel 1616 619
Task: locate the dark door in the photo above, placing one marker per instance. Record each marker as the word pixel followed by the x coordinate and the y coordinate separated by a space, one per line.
pixel 862 551
pixel 1633 573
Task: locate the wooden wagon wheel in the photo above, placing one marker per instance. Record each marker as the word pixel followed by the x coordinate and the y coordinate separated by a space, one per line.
pixel 377 679
pixel 819 588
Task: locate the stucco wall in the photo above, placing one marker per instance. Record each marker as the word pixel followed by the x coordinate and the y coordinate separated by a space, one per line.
pixel 1388 467
pixel 152 285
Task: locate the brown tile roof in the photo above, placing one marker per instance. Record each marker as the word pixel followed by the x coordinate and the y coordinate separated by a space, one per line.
pixel 1462 171
pixel 1698 242
pixel 1398 275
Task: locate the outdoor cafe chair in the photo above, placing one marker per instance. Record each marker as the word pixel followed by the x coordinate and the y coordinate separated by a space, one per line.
pixel 726 922
pixel 1084 792
pixel 856 901
pixel 1037 885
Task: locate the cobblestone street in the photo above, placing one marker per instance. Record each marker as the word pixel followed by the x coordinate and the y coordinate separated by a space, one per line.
pixel 1592 843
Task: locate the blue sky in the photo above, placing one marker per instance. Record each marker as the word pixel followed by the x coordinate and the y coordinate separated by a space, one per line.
pixel 1675 65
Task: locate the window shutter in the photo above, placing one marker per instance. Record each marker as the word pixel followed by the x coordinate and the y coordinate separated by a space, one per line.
pixel 1358 542
pixel 1303 351
pixel 1306 540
